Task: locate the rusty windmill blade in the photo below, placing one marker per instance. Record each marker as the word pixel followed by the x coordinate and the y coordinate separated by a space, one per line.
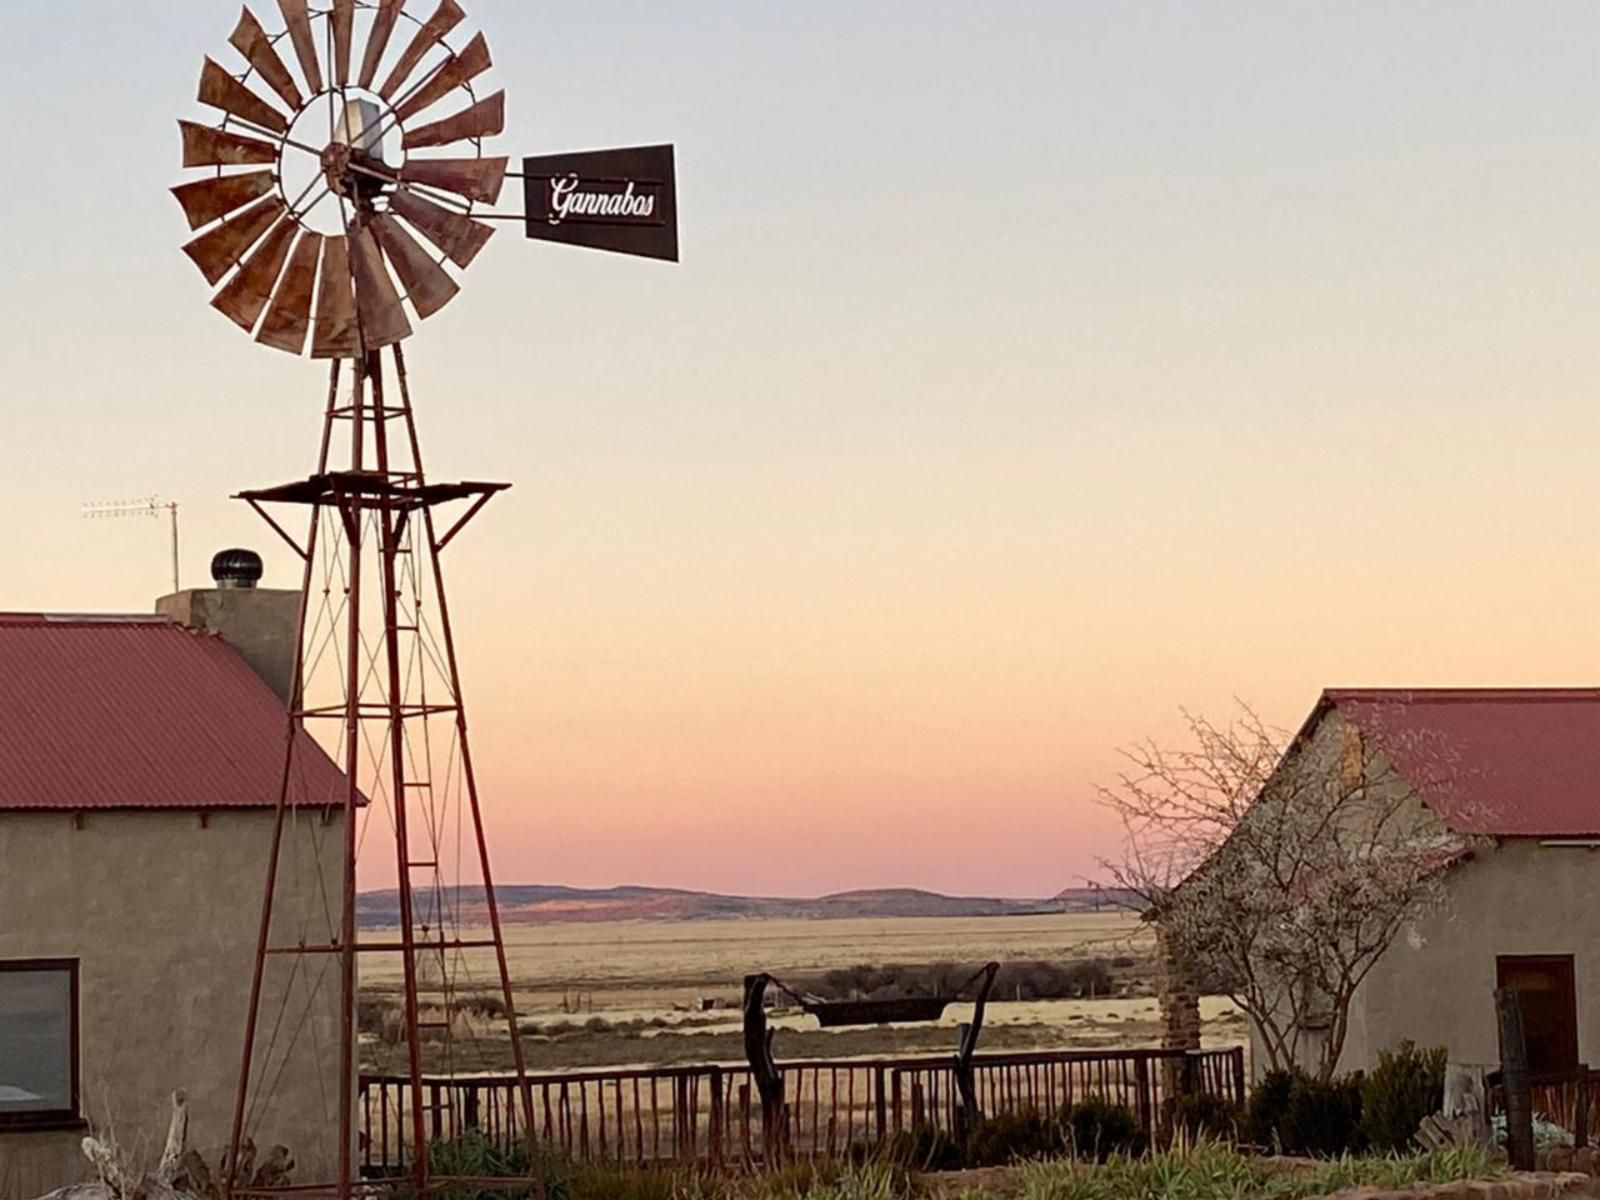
pixel 458 236
pixel 298 18
pixel 383 317
pixel 289 315
pixel 207 147
pixel 337 333
pixel 475 178
pixel 216 252
pixel 221 90
pixel 344 19
pixel 243 297
pixel 207 199
pixel 428 285
pixel 473 61
pixel 448 16
pixel 378 39
pixel 484 119
pixel 250 40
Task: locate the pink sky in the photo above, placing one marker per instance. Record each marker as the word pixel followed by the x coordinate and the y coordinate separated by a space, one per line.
pixel 1025 379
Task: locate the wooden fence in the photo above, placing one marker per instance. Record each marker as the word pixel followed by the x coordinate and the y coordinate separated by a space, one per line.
pixel 1570 1099
pixel 711 1115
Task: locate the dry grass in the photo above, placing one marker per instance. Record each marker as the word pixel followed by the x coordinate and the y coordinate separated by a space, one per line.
pixel 629 993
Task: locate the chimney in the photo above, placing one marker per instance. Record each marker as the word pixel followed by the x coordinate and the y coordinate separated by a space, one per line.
pixel 259 623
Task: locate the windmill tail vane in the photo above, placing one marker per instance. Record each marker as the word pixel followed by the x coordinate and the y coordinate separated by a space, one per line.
pixel 340 187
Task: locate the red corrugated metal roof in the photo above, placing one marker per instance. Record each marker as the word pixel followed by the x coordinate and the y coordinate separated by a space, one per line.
pixel 140 712
pixel 1509 762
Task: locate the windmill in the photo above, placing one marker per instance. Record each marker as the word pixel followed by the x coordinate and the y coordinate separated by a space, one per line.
pixel 346 185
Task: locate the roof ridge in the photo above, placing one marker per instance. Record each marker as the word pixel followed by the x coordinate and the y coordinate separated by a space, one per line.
pixel 1464 695
pixel 107 618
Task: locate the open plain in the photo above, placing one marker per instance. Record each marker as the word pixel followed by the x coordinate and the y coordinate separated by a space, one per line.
pixel 656 992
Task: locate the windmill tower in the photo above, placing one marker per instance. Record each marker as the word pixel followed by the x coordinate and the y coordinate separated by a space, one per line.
pixel 330 224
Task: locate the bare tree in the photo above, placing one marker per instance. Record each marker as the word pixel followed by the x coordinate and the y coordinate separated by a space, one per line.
pixel 1282 872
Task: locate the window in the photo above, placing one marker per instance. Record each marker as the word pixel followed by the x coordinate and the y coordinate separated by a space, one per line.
pixel 38 1043
pixel 1544 986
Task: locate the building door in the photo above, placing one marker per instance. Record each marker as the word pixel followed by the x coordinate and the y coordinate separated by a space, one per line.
pixel 1544 983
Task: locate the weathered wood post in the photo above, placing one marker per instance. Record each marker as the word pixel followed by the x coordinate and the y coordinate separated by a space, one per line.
pixel 1514 1079
pixel 763 1069
pixel 968 1113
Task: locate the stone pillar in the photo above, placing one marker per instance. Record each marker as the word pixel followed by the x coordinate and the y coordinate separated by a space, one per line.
pixel 1180 998
pixel 1180 1026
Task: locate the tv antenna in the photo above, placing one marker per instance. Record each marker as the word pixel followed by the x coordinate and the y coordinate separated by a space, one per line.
pixel 149 506
pixel 324 214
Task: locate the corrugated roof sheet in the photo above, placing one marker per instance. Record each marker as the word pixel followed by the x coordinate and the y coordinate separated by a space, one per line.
pixel 140 712
pixel 1508 762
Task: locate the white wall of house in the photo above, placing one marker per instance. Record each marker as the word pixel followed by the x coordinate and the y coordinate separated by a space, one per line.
pixel 1436 985
pixel 162 912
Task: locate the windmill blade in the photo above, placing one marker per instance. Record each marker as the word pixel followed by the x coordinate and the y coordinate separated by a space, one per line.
pixel 215 252
pixel 484 119
pixel 289 315
pixel 448 16
pixel 383 317
pixel 428 285
pixel 245 295
pixel 250 40
pixel 463 68
pixel 337 334
pixel 458 236
pixel 207 199
pixel 207 147
pixel 378 39
pixel 475 178
pixel 221 90
pixel 298 18
pixel 344 19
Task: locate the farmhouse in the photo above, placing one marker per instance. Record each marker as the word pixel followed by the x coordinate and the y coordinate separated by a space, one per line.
pixel 140 768
pixel 1521 794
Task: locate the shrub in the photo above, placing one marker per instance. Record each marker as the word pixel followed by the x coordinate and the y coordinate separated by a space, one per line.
pixel 1266 1108
pixel 1007 1137
pixel 371 1012
pixel 1406 1086
pixel 1207 1171
pixel 1323 1119
pixel 1098 1129
pixel 924 1148
pixel 1206 1116
pixel 1036 980
pixel 489 1007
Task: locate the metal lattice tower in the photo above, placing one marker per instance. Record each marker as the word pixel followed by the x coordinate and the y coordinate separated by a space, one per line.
pixel 319 217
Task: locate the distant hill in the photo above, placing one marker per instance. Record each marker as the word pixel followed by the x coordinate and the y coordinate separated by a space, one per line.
pixel 1099 899
pixel 549 904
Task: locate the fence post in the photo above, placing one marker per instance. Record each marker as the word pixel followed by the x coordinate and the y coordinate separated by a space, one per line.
pixel 1141 1077
pixel 1190 1081
pixel 1514 1079
pixel 1580 1110
pixel 880 1102
pixel 1236 1059
pixel 715 1128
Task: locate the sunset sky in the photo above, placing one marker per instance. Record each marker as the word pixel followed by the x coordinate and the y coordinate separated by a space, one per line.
pixel 1033 370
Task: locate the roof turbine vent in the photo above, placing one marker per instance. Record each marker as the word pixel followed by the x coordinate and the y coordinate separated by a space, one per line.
pixel 236 568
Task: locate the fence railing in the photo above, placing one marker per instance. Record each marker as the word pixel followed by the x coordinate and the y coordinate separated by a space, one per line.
pixel 1570 1099
pixel 711 1114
